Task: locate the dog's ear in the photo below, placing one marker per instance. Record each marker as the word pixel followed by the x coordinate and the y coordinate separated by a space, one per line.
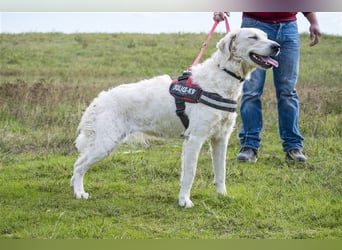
pixel 226 44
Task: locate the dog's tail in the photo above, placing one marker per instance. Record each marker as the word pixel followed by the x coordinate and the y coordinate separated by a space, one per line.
pixel 86 129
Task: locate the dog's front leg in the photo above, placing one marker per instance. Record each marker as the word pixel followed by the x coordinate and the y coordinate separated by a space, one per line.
pixel 191 148
pixel 218 155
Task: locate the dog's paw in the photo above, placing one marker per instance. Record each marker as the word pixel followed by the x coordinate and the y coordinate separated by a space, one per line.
pixel 81 195
pixel 185 202
pixel 221 191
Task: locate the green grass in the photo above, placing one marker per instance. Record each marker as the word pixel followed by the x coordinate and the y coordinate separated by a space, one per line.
pixel 47 80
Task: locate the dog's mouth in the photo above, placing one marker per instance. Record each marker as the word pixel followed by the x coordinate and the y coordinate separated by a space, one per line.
pixel 263 61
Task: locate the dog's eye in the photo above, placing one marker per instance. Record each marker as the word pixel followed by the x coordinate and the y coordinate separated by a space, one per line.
pixel 253 37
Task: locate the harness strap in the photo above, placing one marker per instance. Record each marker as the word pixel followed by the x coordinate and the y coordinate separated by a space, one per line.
pixel 210 99
pixel 180 111
pixel 216 101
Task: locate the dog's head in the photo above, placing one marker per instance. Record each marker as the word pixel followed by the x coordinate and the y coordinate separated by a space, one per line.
pixel 249 47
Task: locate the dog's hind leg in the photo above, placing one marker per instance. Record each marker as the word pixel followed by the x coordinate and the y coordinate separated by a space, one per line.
pixel 191 149
pixel 218 154
pixel 83 163
pixel 98 148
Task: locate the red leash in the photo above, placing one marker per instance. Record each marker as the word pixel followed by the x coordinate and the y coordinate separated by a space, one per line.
pixel 204 46
pixel 227 24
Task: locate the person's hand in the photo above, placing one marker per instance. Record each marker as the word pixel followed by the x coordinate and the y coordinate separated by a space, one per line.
pixel 219 16
pixel 315 34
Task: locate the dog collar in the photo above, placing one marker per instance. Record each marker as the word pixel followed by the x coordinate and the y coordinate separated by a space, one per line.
pixel 234 75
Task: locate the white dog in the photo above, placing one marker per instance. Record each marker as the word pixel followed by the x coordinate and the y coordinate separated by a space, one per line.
pixel 148 107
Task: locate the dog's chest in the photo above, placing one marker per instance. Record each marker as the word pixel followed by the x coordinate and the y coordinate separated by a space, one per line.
pixel 224 123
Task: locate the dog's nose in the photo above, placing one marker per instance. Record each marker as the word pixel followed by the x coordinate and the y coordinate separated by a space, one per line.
pixel 275 47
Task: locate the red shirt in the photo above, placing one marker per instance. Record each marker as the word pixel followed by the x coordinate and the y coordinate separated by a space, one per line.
pixel 273 17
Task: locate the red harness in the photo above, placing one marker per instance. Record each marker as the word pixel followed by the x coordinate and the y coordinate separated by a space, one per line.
pixel 185 89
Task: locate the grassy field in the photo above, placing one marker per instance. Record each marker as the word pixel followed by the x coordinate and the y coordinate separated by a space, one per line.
pixel 47 80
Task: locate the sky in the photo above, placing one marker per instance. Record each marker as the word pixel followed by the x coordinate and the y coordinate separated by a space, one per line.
pixel 140 22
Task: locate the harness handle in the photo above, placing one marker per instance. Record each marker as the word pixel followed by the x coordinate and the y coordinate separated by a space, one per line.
pixel 204 45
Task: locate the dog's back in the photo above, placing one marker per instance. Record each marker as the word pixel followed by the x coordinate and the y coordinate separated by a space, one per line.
pixel 145 106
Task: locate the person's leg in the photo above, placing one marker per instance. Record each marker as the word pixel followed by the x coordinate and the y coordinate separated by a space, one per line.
pixel 251 110
pixel 285 79
pixel 251 116
pixel 251 106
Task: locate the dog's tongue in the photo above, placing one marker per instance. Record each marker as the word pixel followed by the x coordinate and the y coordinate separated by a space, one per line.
pixel 271 61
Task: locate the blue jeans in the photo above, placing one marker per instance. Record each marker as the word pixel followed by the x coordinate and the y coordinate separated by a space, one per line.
pixel 285 79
